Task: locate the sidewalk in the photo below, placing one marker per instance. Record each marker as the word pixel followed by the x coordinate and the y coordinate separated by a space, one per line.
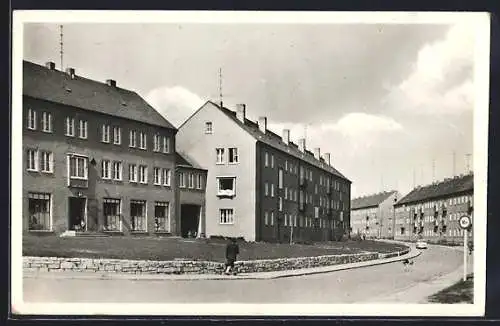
pixel 420 292
pixel 247 276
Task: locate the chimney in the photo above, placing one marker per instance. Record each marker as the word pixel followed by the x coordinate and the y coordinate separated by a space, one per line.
pixel 50 65
pixel 302 144
pixel 327 158
pixel 316 153
pixel 286 136
pixel 111 82
pixel 262 124
pixel 71 72
pixel 241 112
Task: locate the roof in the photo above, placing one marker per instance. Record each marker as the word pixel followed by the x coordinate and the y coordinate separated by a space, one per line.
pixel 446 188
pixel 56 86
pixel 275 141
pixel 183 160
pixel 370 201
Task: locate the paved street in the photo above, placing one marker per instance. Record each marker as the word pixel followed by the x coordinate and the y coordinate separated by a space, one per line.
pixel 347 286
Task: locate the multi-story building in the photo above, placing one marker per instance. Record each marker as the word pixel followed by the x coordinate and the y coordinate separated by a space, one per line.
pixel 97 157
pixel 432 212
pixel 373 215
pixel 261 186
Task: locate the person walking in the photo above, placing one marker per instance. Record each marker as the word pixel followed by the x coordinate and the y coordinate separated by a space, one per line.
pixel 232 251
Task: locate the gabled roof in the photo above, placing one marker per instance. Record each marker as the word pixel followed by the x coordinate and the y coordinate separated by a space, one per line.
pixel 443 189
pixel 56 86
pixel 370 201
pixel 275 141
pixel 183 160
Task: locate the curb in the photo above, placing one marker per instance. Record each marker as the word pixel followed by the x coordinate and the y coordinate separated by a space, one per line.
pixel 200 277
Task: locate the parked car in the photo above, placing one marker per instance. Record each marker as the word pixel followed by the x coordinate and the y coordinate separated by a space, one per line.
pixel 421 244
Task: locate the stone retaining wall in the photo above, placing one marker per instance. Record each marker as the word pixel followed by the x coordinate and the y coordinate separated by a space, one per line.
pixel 191 267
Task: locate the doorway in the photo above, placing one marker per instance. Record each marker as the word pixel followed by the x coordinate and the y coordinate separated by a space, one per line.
pixel 190 217
pixel 77 213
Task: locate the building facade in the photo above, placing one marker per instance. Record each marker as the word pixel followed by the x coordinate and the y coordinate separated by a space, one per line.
pixel 97 157
pixel 261 186
pixel 373 215
pixel 432 212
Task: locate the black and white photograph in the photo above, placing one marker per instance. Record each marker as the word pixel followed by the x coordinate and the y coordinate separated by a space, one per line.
pixel 249 163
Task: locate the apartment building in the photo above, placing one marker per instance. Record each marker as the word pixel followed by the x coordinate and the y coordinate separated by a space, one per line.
pixel 432 212
pixel 262 186
pixel 97 158
pixel 373 215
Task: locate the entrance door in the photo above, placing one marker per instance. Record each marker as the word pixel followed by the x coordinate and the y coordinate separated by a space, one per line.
pixel 77 213
pixel 190 216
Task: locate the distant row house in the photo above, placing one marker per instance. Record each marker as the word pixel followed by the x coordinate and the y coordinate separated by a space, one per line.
pixel 99 158
pixel 428 212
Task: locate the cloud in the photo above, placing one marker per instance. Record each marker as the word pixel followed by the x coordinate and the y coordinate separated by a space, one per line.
pixel 441 80
pixel 176 103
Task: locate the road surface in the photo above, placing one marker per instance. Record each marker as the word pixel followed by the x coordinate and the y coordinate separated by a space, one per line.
pixel 347 286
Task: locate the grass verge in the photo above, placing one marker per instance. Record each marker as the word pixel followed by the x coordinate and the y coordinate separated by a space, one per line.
pixel 169 248
pixel 460 292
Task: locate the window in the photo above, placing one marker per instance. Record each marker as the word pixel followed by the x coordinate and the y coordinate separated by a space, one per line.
pixel 105 134
pixel 132 173
pixel 31 119
pixel 132 140
pixel 157 176
pixel 233 155
pixel 286 165
pixel 285 219
pixel 166 177
pixel 266 159
pixel 280 179
pixel 117 170
pixel 46 161
pixel 70 127
pixel 199 181
pixel 272 161
pixel 82 129
pixel 142 140
pixel 32 163
pixel 280 204
pixel 143 174
pixel 208 127
pixel 106 169
pixel 138 215
pixel 111 208
pixel 166 144
pixel 266 218
pixel 182 180
pixel 286 193
pixel 190 180
pixel 266 189
pixel 156 143
pixel 272 218
pixel 226 216
pixel 226 186
pixel 310 176
pixel 117 135
pixel 77 167
pixel 46 122
pixel 162 216
pixel 220 155
pixel 272 189
pixel 39 209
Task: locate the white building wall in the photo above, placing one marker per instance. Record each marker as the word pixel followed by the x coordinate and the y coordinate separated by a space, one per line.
pixel 197 144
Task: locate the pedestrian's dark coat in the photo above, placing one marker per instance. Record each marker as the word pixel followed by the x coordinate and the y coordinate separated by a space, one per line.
pixel 232 250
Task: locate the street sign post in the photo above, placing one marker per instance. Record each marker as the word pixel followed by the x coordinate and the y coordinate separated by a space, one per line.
pixel 464 223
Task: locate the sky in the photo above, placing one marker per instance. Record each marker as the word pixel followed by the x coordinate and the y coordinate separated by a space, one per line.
pixel 392 103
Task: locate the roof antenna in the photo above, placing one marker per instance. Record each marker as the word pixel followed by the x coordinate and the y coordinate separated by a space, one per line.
pixel 220 88
pixel 61 51
pixel 467 158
